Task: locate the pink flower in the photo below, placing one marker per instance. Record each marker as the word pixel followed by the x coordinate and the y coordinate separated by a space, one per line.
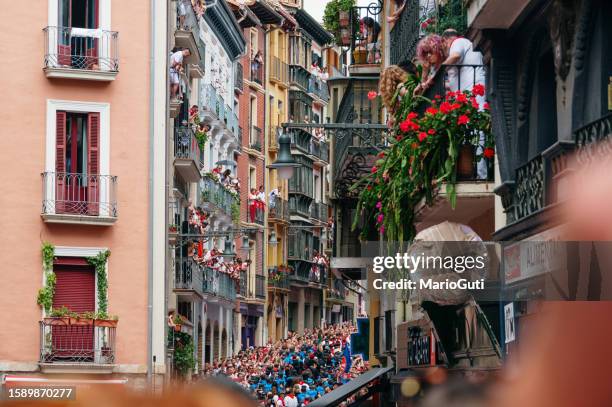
pixel 374 169
pixel 382 229
pixel 380 218
pixel 372 94
pixel 378 205
pixel 463 119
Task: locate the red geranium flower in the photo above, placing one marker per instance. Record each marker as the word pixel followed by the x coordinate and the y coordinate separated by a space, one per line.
pixel 369 187
pixel 422 136
pixel 431 110
pixel 461 98
pixel 463 119
pixel 374 169
pixel 456 106
pixel 475 104
pixel 399 138
pixel 372 94
pixel 437 97
pixel 414 126
pixel 431 132
pixel 489 152
pixel 404 126
pixel 381 154
pixel 412 115
pixel 445 107
pixel 486 106
pixel 478 90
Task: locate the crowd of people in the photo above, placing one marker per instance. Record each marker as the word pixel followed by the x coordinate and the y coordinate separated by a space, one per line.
pixel 226 178
pixel 257 202
pixel 294 371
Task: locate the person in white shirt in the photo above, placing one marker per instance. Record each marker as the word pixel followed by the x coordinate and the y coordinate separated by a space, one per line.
pixel 291 400
pixel 461 52
pixel 176 66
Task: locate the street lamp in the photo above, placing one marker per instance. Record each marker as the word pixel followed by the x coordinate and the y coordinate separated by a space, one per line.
pixel 284 161
pixel 273 241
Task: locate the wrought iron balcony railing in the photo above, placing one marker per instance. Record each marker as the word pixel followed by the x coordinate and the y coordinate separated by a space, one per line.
pixel 318 88
pixel 255 142
pixel 187 276
pixel 454 78
pixel 257 72
pixel 216 194
pixel 80 195
pixel 239 77
pixel 260 286
pixel 279 210
pixel 277 279
pixel 365 43
pixel 219 284
pixel 405 34
pixel 62 342
pixel 308 272
pixel 299 76
pixel 72 48
pixel 279 70
pixel 186 145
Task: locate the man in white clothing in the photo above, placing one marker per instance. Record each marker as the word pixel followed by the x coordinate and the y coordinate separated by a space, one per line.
pixel 176 65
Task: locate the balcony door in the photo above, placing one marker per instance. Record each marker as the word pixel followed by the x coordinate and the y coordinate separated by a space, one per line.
pixel 77 38
pixel 75 290
pixel 77 163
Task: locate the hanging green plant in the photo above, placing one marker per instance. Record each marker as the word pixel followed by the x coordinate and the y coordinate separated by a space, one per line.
pixel 184 361
pixel 45 294
pixel 99 262
pixel 235 212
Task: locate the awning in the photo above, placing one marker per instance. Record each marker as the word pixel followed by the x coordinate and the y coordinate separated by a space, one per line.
pixel 343 392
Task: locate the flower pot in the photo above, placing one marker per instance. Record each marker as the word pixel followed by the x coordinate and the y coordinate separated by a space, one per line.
pixel 110 323
pixel 81 321
pixel 57 321
pixel 344 19
pixel 465 162
pixel 360 56
pixel 345 37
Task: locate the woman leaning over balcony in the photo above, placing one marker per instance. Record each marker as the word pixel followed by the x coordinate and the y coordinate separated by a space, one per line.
pixel 430 55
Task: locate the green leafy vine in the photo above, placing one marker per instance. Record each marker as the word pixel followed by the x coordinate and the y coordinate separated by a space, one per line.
pixel 99 262
pixel 183 351
pixel 46 293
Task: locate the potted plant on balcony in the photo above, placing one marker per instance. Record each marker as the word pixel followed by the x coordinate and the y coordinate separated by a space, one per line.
pixel 59 316
pixel 177 323
pixel 102 319
pixel 83 319
pixel 336 20
pixel 426 150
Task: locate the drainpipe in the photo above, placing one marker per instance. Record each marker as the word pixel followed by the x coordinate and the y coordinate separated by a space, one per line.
pixel 151 196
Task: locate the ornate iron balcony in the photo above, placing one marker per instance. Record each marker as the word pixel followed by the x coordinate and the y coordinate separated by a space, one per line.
pixel 81 53
pixel 62 342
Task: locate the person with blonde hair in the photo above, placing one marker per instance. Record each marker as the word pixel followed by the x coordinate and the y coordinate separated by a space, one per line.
pixel 391 79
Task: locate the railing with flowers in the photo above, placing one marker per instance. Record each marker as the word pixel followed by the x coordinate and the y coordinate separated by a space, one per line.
pixel 186 145
pixel 81 49
pixel 439 145
pixel 217 194
pixel 278 277
pixel 65 342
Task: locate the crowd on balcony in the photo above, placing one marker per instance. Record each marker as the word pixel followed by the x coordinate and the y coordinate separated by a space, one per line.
pixel 226 178
pixel 257 202
pixel 320 264
pixel 214 259
pixel 294 371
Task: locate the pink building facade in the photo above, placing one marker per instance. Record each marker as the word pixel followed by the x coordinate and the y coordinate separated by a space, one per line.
pixel 79 115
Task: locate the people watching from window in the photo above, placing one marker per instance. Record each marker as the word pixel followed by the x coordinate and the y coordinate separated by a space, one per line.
pixel 370 31
pixel 431 53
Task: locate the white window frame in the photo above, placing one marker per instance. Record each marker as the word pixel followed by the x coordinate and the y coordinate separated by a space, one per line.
pixel 104 23
pixel 53 106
